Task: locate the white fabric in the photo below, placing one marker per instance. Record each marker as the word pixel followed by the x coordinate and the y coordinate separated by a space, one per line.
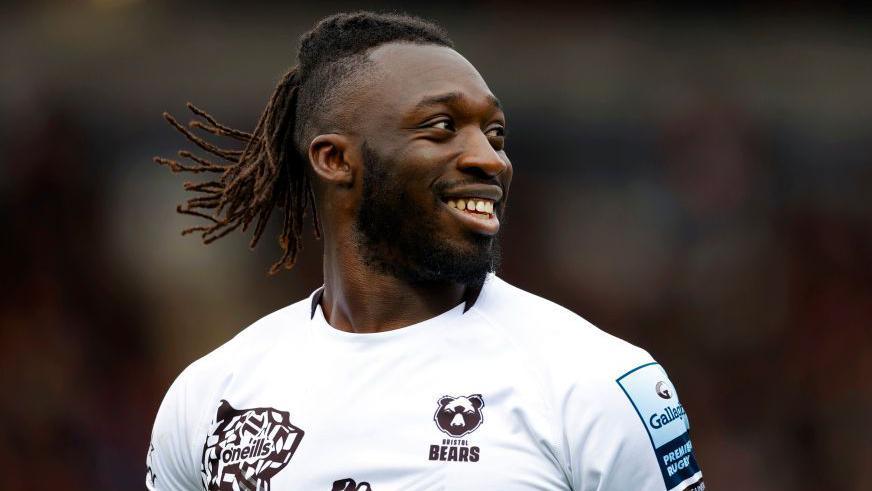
pixel 553 416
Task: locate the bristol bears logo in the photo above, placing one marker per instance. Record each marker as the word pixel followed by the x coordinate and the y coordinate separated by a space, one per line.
pixel 247 447
pixel 458 416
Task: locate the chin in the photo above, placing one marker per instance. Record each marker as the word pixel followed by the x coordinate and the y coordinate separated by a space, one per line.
pixel 465 261
pixel 467 264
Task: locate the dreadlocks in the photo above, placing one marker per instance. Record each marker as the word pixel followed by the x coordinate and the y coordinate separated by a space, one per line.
pixel 271 168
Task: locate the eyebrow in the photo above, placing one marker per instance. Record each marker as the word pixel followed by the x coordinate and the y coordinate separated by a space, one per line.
pixel 451 97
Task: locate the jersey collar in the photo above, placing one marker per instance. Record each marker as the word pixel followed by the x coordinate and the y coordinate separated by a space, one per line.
pixel 469 296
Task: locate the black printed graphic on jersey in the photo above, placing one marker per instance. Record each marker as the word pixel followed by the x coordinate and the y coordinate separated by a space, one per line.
pixel 697 486
pixel 459 416
pixel 247 447
pixel 150 476
pixel 349 484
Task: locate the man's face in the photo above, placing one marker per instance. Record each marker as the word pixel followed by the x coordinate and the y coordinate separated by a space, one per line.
pixel 433 142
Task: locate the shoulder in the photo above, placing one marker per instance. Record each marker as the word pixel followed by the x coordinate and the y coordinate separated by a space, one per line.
pixel 617 415
pixel 194 390
pixel 248 345
pixel 172 456
pixel 558 336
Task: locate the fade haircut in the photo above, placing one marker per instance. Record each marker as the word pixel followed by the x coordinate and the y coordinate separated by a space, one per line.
pixel 270 171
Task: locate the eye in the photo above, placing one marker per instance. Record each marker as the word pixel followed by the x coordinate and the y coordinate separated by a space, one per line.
pixel 497 131
pixel 496 135
pixel 442 124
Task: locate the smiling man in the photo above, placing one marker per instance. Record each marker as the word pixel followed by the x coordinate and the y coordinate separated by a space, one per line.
pixel 414 366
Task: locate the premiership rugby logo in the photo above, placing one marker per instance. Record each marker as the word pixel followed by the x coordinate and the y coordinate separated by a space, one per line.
pixel 655 400
pixel 247 447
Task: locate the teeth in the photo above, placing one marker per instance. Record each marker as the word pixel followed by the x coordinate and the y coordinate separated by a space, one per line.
pixel 473 204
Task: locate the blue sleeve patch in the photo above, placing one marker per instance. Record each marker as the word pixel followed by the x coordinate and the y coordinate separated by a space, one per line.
pixel 656 402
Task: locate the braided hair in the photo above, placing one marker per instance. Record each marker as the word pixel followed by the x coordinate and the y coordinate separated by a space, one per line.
pixel 270 171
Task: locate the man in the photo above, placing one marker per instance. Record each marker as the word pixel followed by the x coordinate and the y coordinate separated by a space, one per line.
pixel 414 367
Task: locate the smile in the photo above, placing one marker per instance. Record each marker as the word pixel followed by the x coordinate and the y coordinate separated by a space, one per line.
pixel 475 214
pixel 479 206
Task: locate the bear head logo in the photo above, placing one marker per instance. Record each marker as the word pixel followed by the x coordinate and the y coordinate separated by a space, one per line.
pixel 458 416
pixel 247 447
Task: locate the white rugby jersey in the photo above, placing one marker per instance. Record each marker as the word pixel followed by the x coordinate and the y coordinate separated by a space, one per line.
pixel 513 393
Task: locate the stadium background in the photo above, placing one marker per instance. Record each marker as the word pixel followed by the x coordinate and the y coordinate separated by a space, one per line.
pixel 695 182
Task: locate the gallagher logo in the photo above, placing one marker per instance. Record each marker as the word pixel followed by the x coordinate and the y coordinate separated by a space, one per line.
pixel 662 391
pixel 247 447
pixel 456 417
pixel 669 414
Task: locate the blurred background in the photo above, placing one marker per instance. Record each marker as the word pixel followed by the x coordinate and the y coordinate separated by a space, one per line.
pixel 697 183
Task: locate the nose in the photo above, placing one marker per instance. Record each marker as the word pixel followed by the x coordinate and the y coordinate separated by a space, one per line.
pixel 457 420
pixel 479 155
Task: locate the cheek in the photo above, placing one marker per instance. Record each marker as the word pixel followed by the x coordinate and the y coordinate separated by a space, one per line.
pixel 427 158
pixel 415 174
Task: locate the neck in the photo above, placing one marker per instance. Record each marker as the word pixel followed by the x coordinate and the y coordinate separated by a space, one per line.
pixel 358 298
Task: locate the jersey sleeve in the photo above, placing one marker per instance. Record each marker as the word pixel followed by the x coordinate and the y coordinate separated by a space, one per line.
pixel 631 433
pixel 169 462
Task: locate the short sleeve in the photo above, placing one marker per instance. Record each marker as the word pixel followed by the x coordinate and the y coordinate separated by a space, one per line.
pixel 169 465
pixel 631 433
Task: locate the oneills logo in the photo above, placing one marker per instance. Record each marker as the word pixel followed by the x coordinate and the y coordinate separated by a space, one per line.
pixel 247 447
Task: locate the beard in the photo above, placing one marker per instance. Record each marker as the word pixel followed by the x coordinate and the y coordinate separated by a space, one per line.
pixel 400 237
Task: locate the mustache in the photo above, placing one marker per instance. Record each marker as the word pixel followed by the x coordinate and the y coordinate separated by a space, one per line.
pixel 443 186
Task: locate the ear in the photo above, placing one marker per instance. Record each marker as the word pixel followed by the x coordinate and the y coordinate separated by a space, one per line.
pixel 446 400
pixel 333 158
pixel 476 400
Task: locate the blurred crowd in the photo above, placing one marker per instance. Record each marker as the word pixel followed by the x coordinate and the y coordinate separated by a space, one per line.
pixel 698 186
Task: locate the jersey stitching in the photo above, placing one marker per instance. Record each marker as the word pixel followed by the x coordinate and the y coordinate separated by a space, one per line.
pixel 553 441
